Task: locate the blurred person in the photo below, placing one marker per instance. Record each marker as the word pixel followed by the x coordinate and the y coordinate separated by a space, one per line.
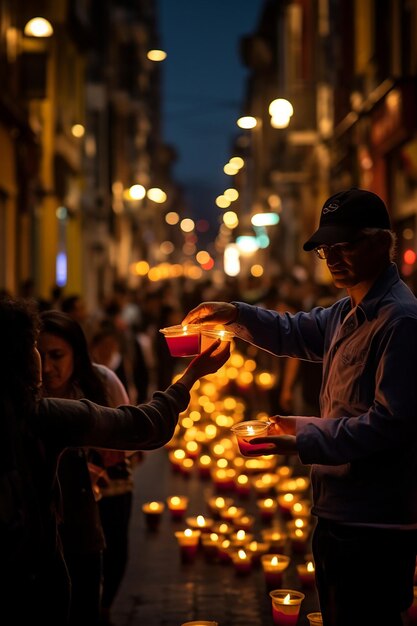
pixel 68 372
pixel 363 448
pixel 34 432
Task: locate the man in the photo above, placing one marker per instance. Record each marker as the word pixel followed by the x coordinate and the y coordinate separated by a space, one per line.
pixel 363 448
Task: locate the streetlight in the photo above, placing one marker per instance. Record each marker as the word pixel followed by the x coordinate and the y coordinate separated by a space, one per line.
pixel 281 111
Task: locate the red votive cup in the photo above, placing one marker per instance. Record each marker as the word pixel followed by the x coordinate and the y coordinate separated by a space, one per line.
pixel 248 430
pixel 182 340
pixel 286 605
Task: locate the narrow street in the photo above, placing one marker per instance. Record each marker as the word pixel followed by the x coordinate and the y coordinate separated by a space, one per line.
pixel 160 590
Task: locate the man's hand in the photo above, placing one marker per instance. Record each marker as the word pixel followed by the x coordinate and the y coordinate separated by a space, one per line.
pixel 211 312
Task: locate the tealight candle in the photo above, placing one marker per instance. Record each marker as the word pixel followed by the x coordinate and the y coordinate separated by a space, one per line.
pixel 265 483
pixel 241 537
pixel 204 464
pixel 188 541
pixel 267 508
pixel 222 528
pixel 256 549
pixel 273 566
pixel 208 337
pixel 224 479
pixel 182 340
pixel 245 522
pixel 243 486
pixel 299 540
pixel 286 605
pixel 211 543
pixel 153 512
pixel 242 561
pixel 248 430
pixel 224 551
pixel 200 522
pixel 315 619
pixel 216 504
pixel 306 573
pixel 177 506
pixel 275 538
pixel 285 502
pixel 232 513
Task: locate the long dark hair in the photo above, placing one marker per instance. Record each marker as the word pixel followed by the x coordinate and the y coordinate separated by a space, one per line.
pixel 84 374
pixel 19 375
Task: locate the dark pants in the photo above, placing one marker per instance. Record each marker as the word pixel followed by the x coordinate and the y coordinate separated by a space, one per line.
pixel 364 576
pixel 86 584
pixel 115 515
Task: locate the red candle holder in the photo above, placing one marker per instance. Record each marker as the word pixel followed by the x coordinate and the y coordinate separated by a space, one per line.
pixel 273 566
pixel 182 340
pixel 177 506
pixel 248 430
pixel 286 605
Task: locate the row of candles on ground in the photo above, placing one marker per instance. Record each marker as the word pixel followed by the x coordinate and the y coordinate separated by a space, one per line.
pixel 285 609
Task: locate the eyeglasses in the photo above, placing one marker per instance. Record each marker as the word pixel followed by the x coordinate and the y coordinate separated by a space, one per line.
pixel 345 248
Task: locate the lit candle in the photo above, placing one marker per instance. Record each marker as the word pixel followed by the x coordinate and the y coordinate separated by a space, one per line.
pixel 243 486
pixel 188 542
pixel 177 506
pixel 153 512
pixel 267 508
pixel 275 538
pixel 217 504
pixel 200 522
pixel 299 540
pixel 265 483
pixel 224 551
pixel 273 566
pixel 242 561
pixel 246 431
pixel 182 340
pixel 306 573
pixel 285 502
pixel 245 522
pixel 256 549
pixel 241 538
pixel 210 543
pixel 232 513
pixel 176 458
pixel 315 619
pixel 208 337
pixel 286 605
pixel 224 479
pixel 204 466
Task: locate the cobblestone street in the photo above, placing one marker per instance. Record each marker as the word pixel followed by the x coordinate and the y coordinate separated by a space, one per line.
pixel 160 590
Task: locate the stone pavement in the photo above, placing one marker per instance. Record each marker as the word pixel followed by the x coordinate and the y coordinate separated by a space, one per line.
pixel 159 590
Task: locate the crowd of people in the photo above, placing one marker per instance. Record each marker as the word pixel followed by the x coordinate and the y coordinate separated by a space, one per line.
pixel 341 405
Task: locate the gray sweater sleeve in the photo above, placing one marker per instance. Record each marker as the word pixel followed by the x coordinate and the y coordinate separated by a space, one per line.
pixel 74 423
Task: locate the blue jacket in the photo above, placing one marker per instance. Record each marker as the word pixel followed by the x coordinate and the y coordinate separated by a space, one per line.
pixel 363 448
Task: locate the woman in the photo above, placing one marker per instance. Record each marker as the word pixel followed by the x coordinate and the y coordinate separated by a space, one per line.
pixel 34 431
pixel 68 372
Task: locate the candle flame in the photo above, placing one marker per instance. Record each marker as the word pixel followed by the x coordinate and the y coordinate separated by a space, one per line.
pixel 201 521
pixel 251 430
pixel 241 534
pixel 154 506
pixel 287 599
pixel 175 500
pixel 241 554
pixel 188 532
pixel 274 561
pixel 310 566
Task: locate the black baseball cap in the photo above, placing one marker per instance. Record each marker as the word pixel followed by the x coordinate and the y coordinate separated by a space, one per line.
pixel 347 212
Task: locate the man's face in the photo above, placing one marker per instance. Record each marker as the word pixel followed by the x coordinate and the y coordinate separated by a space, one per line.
pixel 357 262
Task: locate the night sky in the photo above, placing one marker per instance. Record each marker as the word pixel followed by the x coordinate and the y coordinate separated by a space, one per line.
pixel 202 90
